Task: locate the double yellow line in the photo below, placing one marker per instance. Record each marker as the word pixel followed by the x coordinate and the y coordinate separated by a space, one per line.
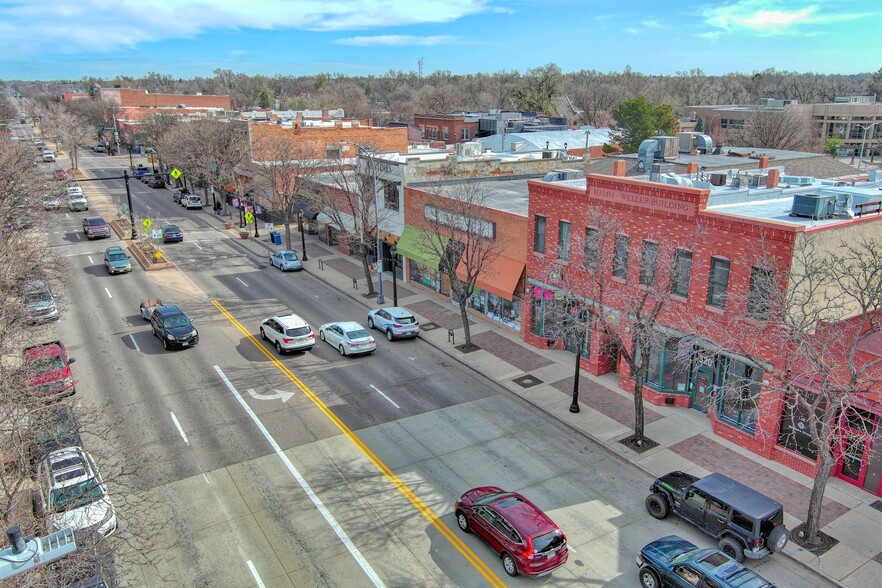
pixel 446 531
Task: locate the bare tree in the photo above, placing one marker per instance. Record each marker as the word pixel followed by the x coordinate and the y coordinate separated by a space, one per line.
pixel 774 129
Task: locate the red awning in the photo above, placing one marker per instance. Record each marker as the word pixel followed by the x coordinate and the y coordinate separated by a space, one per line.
pixel 501 276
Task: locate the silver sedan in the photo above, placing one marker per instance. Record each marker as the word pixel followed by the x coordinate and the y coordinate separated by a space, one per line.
pixel 348 337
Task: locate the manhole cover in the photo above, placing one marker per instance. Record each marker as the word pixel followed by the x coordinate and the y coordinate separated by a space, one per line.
pixel 428 326
pixel 527 381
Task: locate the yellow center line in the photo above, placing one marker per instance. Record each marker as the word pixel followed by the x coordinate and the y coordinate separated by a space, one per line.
pixel 452 537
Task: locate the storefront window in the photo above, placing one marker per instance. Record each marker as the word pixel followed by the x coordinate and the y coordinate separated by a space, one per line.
pixel 795 432
pixel 739 397
pixel 666 372
pixel 425 275
pixel 554 319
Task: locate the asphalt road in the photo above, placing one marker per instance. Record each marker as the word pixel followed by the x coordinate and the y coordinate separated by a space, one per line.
pixel 237 467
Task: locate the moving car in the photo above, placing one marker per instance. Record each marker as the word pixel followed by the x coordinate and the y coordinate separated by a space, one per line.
pixel 397 322
pixel 99 148
pixel 77 203
pixel 48 156
pixel 286 260
pixel 348 337
pixel 173 327
pixel 73 494
pixel 60 175
pixel 745 522
pixel 95 227
pixel 526 539
pixel 140 171
pixel 49 373
pixel 156 182
pixel 673 561
pixel 287 332
pixel 172 233
pixel 116 261
pixel 39 302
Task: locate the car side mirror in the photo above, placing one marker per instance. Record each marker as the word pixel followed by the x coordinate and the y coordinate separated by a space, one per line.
pixel 70 360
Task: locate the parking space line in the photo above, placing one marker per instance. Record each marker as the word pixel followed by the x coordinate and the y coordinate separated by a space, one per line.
pixel 180 429
pixel 90 259
pixel 316 501
pixel 135 343
pixel 411 496
pixel 255 575
pixel 109 295
pixel 380 392
pixel 243 283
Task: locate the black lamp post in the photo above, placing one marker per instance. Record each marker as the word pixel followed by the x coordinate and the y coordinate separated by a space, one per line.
pixel 302 234
pixel 241 213
pixel 131 163
pixel 393 251
pixel 574 407
pixel 254 216
pixel 131 210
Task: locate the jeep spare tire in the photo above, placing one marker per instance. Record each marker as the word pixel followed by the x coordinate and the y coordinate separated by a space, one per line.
pixel 778 538
pixel 657 506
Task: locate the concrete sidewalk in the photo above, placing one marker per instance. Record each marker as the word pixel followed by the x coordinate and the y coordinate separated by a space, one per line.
pixel 545 379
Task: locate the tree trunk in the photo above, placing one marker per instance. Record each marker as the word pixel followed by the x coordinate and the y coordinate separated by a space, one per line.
pixel 638 409
pixel 288 230
pixel 367 270
pixel 465 322
pixel 816 501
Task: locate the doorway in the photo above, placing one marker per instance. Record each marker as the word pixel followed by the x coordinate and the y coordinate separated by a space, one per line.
pixel 702 388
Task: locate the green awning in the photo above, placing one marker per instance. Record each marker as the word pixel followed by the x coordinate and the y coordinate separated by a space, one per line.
pixel 421 246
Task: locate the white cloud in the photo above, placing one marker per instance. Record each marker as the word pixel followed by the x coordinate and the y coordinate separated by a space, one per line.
pixel 772 17
pixel 389 40
pixel 651 23
pixel 28 27
pixel 632 30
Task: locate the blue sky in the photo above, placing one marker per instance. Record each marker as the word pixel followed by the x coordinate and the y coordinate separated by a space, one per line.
pixel 69 39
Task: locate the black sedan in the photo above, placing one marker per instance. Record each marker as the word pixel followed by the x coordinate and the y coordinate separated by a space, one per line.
pixel 172 233
pixel 156 182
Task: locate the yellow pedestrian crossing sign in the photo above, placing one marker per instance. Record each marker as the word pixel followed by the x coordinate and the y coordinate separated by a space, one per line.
pixel 249 218
pixel 147 222
pixel 176 173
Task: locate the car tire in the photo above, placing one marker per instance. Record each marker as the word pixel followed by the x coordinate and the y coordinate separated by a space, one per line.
pixel 279 348
pixel 342 351
pixel 649 578
pixel 778 539
pixel 165 343
pixel 657 506
pixel 509 564
pixel 463 521
pixel 389 335
pixel 262 334
pixel 732 548
pixel 322 335
pixel 370 323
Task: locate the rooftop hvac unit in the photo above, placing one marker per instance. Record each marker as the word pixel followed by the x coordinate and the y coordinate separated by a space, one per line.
pixel 797 180
pixel 813 206
pixel 718 179
pixel 757 180
pixel 469 149
pixel 563 174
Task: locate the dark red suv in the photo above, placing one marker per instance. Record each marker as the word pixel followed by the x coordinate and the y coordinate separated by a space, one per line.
pixel 527 540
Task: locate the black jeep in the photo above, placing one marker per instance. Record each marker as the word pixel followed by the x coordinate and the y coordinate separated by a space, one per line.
pixel 746 523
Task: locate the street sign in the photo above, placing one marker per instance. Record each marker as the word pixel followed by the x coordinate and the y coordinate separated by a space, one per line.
pixel 236 202
pixel 249 208
pixel 268 227
pixel 249 218
pixel 257 210
pixel 176 173
pixel 116 133
pixel 147 222
pixel 156 233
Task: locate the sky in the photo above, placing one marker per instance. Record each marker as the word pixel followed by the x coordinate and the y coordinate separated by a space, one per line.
pixel 71 39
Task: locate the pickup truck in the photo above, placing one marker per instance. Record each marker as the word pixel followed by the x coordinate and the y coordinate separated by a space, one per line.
pixel 48 367
pixel 95 227
pixel 148 306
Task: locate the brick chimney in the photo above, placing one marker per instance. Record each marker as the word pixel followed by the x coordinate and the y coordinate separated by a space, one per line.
pixel 619 167
pixel 773 178
pixel 692 168
pixel 763 162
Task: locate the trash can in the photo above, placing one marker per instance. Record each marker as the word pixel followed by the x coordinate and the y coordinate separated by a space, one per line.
pixel 276 237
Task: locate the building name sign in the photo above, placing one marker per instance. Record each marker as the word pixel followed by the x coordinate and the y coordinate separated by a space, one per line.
pixel 460 222
pixel 648 201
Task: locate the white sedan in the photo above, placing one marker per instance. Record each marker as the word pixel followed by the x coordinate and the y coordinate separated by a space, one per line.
pixel 348 337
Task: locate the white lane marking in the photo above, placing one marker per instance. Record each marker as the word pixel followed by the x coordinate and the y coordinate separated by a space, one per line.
pixel 196 244
pixel 380 392
pixel 285 396
pixel 204 475
pixel 180 429
pixel 109 295
pixel 411 358
pixel 255 575
pixel 90 259
pixel 135 343
pixel 243 283
pixel 78 236
pixel 356 554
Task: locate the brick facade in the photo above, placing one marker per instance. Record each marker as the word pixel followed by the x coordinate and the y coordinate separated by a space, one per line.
pixel 445 127
pixel 323 142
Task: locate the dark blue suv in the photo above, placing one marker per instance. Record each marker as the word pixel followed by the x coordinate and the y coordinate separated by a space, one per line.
pixel 673 561
pixel 173 327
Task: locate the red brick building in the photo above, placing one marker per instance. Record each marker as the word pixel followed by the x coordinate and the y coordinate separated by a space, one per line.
pixel 144 99
pixel 449 128
pixel 719 245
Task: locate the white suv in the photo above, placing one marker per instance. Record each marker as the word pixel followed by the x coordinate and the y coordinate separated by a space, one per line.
pixel 189 201
pixel 73 493
pixel 288 333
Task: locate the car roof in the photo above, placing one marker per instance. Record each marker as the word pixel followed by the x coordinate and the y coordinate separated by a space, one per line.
pixel 172 227
pixel 34 286
pixel 522 514
pixel 348 325
pixel 95 217
pixel 167 310
pixel 398 311
pixel 735 494
pixel 43 350
pixel 291 321
pixel 115 249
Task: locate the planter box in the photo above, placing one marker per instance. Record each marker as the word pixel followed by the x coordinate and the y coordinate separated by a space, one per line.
pixel 244 234
pixel 228 225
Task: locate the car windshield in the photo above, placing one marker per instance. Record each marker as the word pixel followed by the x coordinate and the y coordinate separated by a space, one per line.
pixel 177 320
pixel 548 542
pixel 34 297
pixel 488 498
pixel 405 320
pixel 171 229
pixel 298 332
pixel 75 496
pixel 94 222
pixel 117 257
pixel 46 364
pixel 358 334
pixel 289 256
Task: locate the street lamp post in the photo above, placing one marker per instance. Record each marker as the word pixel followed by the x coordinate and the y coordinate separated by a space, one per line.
pixel 394 252
pixel 131 210
pixel 302 235
pixel 574 406
pixel 380 299
pixel 254 216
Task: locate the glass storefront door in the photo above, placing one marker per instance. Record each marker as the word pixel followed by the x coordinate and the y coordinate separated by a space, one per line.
pixel 702 388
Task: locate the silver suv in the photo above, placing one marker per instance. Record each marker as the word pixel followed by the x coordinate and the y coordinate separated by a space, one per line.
pixel 39 302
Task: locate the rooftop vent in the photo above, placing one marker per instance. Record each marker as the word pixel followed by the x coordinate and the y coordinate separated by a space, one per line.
pixel 815 206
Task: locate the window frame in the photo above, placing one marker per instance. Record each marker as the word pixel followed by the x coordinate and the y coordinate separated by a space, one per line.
pixel 563 249
pixel 760 293
pixel 648 263
pixel 620 257
pixel 592 245
pixel 718 289
pixel 682 260
pixel 539 245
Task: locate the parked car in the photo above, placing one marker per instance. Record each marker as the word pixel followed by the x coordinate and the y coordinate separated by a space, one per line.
pixel 55 427
pixel 348 337
pixel 60 175
pixel 39 302
pixel 49 373
pixel 191 201
pixel 48 156
pixel 95 227
pixel 672 561
pixel 140 171
pixel 286 260
pixel 397 322
pixel 73 189
pixel 99 148
pixel 116 261
pixel 51 203
pixel 156 182
pixel 172 233
pixel 173 327
pixel 526 539
pixel 73 494
pixel 77 203
pixel 287 332
pixel 179 193
pixel 745 522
